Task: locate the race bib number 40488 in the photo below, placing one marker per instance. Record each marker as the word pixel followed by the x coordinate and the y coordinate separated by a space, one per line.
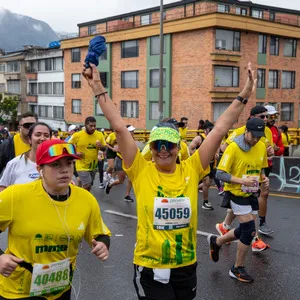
pixel 171 213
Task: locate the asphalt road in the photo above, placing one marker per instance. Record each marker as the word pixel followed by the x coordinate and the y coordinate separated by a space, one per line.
pixel 276 271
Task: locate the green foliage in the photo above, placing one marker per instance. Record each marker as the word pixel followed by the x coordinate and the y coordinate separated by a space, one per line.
pixel 8 108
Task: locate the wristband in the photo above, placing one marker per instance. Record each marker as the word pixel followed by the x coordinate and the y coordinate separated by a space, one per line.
pixel 101 94
pixel 241 99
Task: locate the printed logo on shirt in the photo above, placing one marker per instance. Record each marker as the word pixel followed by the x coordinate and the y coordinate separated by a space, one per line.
pixel 81 226
pixel 38 236
pixel 91 146
pixel 34 175
pixel 50 248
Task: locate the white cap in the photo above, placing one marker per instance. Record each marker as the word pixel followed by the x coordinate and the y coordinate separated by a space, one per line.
pixel 271 110
pixel 131 128
pixel 72 127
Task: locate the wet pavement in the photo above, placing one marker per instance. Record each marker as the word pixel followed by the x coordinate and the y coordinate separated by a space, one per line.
pixel 276 271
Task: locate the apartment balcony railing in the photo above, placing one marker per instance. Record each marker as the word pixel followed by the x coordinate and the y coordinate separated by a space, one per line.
pixel 117 25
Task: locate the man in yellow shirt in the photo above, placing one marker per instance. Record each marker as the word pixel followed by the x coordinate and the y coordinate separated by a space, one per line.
pixel 241 168
pixel 182 127
pixel 88 142
pixel 19 143
pixel 261 112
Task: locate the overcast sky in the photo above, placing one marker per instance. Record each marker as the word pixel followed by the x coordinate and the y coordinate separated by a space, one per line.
pixel 64 15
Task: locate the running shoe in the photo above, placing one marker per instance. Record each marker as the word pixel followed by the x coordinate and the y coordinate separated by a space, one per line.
pixel 259 245
pixel 221 191
pixel 102 186
pixel 221 229
pixel 240 274
pixel 213 247
pixel 265 229
pixel 128 199
pixel 207 205
pixel 107 188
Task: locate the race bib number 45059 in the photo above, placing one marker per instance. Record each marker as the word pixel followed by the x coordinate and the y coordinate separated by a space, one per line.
pixel 48 278
pixel 171 213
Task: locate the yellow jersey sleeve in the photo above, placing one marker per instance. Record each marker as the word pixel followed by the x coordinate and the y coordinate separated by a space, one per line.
pixel 184 151
pixel 227 158
pixel 137 166
pixel 146 153
pixel 235 133
pixel 111 139
pixel 101 139
pixel 6 208
pixel 268 138
pixel 74 138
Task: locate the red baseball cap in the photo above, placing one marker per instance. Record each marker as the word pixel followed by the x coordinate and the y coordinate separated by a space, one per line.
pixel 43 156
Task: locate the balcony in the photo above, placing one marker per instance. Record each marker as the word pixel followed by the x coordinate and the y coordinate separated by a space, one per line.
pixel 12 76
pixel 225 57
pixel 31 98
pixel 31 76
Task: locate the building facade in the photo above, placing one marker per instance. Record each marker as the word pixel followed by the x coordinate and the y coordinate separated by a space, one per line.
pixel 207 46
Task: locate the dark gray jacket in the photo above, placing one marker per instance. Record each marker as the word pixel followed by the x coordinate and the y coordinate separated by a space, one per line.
pixel 7 152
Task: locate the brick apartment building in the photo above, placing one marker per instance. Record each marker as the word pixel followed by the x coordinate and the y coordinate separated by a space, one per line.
pixel 207 47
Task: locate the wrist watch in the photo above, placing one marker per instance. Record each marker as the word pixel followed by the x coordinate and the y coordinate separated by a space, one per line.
pixel 241 99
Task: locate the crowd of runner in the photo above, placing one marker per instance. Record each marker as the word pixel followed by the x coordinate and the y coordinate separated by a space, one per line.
pixel 41 172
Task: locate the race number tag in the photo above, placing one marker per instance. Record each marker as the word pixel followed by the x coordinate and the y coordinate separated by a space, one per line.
pixel 251 189
pixel 48 278
pixel 171 213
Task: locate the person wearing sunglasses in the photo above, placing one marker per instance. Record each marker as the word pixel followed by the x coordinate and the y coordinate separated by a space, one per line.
pixel 166 193
pixel 19 143
pixel 22 168
pixel 46 221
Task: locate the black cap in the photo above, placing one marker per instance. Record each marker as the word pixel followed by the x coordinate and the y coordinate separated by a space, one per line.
pixel 208 125
pixel 258 109
pixel 165 124
pixel 172 121
pixel 256 126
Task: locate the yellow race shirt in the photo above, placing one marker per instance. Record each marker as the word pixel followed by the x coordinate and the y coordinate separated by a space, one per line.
pixel 183 153
pixel 167 212
pixel 20 146
pixel 111 139
pixel 37 231
pixel 182 132
pixel 238 163
pixel 86 143
pixel 267 139
pixel 286 139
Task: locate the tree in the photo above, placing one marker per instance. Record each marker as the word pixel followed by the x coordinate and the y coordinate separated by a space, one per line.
pixel 8 108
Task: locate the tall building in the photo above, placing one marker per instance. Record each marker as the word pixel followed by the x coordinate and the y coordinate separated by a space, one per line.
pixel 207 46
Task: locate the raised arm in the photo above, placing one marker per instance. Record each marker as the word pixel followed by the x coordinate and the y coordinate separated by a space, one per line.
pixel 127 146
pixel 212 142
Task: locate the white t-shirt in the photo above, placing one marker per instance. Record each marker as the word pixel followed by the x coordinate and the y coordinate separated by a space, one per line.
pixel 19 171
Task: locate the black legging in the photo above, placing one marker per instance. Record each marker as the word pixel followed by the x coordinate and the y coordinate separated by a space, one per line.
pixel 100 168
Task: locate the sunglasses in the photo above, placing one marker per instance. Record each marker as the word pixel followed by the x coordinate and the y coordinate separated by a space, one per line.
pixel 27 125
pixel 58 149
pixel 161 144
pixel 263 116
pixel 275 116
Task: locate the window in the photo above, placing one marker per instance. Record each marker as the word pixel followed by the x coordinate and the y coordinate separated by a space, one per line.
pixel 155 45
pixel 223 8
pixel 58 88
pixel 274 45
pixel 98 109
pixel 75 55
pixel 76 82
pixel 14 86
pixel 226 76
pixel 58 112
pixel 103 77
pixel 33 108
pixel 45 111
pixel 288 79
pixel 219 108
pixel 241 11
pixel 58 63
pixel 130 49
pixel 76 106
pixel 272 16
pixel 273 79
pixel 48 64
pixel 164 15
pixel 129 109
pixel 290 46
pixel 13 66
pixel 287 112
pixel 154 78
pixel 103 56
pixel 2 67
pixel 45 88
pixel 154 110
pixel 2 87
pixel 92 29
pixel 257 14
pixel 130 79
pixel 262 43
pixel 32 88
pixel 261 78
pixel 33 66
pixel 146 19
pixel 228 40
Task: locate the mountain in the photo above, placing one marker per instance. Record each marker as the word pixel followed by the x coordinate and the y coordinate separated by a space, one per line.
pixel 17 31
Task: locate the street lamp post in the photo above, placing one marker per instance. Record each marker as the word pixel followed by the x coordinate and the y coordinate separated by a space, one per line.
pixel 161 53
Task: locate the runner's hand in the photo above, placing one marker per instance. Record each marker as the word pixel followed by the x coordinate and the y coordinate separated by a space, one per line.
pixel 249 181
pixel 265 181
pixel 270 150
pixel 8 264
pixel 100 250
pixel 98 144
pixel 80 154
pixel 250 85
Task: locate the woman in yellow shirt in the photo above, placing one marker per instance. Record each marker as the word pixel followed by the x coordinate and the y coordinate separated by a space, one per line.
pixel 286 139
pixel 167 196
